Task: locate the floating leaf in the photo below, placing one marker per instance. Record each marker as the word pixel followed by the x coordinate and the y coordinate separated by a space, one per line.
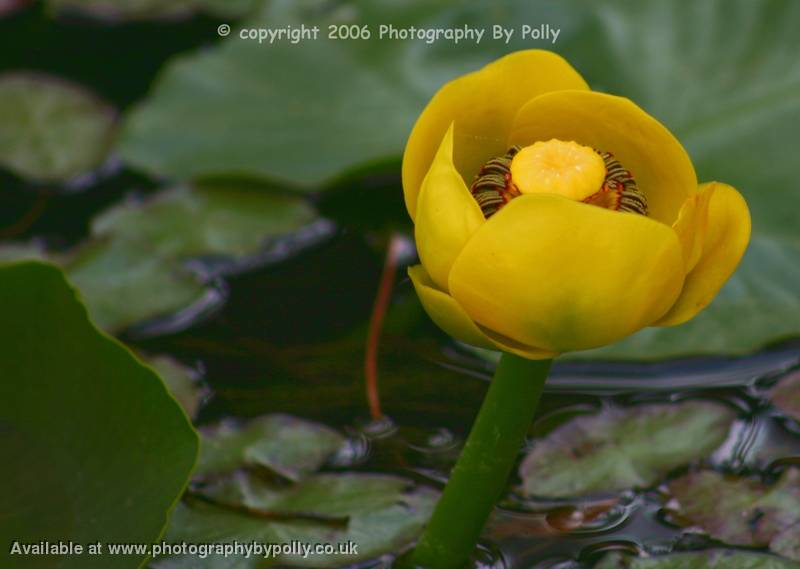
pixel 379 514
pixel 787 542
pixel 180 380
pixel 153 9
pixel 621 448
pixel 786 395
pixel 10 6
pixel 738 511
pixel 192 222
pixel 97 449
pixel 723 102
pixel 714 559
pixel 286 445
pixel 21 251
pixel 123 284
pixel 52 130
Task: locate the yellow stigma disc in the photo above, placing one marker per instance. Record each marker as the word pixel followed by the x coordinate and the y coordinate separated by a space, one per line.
pixel 557 167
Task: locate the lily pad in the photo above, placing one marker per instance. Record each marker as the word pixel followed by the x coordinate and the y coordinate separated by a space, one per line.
pixel 786 395
pixel 621 448
pixel 739 511
pixel 180 380
pixel 714 559
pixel 52 130
pixel 212 221
pixel 97 448
pixel 721 102
pixel 21 252
pixel 124 284
pixel 153 9
pixel 379 514
pixel 285 445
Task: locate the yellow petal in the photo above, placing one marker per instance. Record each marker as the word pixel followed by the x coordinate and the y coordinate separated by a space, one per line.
pixel 447 215
pixel 445 311
pixel 450 317
pixel 644 146
pixel 483 105
pixel 563 275
pixel 691 227
pixel 724 239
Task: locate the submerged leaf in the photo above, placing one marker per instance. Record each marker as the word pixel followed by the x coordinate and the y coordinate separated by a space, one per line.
pixel 286 445
pixel 739 511
pixel 713 559
pixel 94 447
pixel 622 448
pixel 50 129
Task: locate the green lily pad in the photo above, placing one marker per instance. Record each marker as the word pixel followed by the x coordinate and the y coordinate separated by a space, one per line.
pixel 621 448
pixel 124 284
pixel 786 395
pixel 738 511
pixel 721 102
pixel 52 130
pixel 283 444
pixel 180 380
pixel 97 449
pixel 714 559
pixel 192 222
pixel 379 514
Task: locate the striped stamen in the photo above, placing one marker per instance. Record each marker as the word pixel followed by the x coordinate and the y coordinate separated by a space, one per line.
pixel 493 187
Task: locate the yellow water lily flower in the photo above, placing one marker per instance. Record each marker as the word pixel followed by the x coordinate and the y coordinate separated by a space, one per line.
pixel 552 218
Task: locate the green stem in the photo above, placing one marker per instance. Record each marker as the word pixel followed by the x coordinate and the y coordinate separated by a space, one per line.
pixel 481 473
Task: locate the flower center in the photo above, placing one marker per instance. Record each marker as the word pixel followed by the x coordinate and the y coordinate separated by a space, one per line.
pixel 557 167
pixel 569 169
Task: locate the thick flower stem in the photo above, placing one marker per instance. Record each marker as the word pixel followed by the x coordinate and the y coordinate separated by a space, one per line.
pixel 482 470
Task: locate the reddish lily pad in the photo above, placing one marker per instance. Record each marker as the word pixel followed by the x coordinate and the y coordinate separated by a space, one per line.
pixel 621 448
pixel 713 559
pixel 137 10
pixel 786 395
pixel 740 511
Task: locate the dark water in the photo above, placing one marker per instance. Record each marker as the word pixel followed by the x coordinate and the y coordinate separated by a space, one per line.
pixel 290 337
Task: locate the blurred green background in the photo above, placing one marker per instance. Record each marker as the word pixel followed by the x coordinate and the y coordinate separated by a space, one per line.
pixel 230 204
